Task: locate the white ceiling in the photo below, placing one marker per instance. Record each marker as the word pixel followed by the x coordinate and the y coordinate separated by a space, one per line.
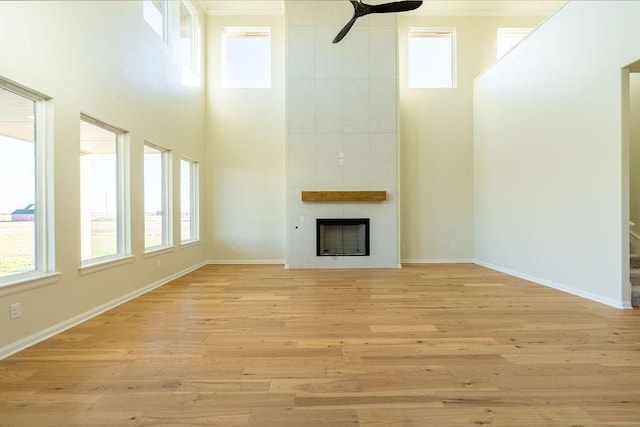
pixel 436 7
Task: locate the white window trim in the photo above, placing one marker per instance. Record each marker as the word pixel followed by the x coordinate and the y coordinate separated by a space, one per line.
pixel 124 197
pixel 195 66
pixel 194 185
pixel 104 263
pixel 167 202
pixel 45 273
pixel 166 19
pixel 454 53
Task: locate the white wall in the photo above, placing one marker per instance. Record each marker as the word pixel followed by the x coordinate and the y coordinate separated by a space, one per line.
pixel 436 141
pixel 245 155
pixel 102 59
pixel 341 98
pixel 550 195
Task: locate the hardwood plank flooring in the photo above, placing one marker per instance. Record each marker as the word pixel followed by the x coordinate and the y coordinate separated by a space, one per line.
pixel 427 345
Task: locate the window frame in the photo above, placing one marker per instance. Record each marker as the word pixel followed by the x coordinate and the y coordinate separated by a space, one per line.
pixel 439 31
pixel 164 12
pixel 190 72
pixel 194 203
pixel 44 228
pixel 123 212
pixel 232 32
pixel 166 202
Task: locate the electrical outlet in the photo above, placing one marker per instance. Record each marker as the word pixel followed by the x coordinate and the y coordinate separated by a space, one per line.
pixel 15 311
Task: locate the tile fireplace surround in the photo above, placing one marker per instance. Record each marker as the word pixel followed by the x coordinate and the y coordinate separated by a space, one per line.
pixel 341 129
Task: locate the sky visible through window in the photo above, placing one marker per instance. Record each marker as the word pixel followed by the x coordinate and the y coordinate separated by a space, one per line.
pixel 17 168
pixel 430 57
pixel 153 185
pixel 247 59
pixel 17 160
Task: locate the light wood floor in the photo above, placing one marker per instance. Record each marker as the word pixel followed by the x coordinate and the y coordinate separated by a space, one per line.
pixel 428 345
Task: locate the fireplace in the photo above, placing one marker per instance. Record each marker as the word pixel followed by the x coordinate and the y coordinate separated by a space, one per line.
pixel 342 237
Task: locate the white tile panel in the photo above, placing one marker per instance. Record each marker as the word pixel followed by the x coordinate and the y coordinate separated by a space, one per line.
pixel 382 157
pixel 301 96
pixel 301 165
pixel 301 57
pixel 382 106
pixel 355 171
pixel 355 102
pixel 328 56
pixel 328 106
pixel 327 160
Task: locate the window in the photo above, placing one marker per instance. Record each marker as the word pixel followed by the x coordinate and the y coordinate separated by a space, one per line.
pixel 189 221
pixel 431 54
pixel 103 188
pixel 508 38
pixel 25 238
pixel 155 12
pixel 247 57
pixel 189 43
pixel 157 203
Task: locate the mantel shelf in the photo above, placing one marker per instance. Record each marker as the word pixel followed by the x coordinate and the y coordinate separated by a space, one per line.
pixel 344 196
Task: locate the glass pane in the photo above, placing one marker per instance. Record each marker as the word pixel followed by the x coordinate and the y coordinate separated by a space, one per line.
pixel 187 32
pixel 186 200
pixel 18 191
pixel 430 61
pixel 99 191
pixel 154 211
pixel 247 61
pixel 153 13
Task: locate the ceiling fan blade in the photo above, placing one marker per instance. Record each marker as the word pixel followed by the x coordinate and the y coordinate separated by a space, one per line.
pixel 398 6
pixel 362 9
pixel 343 32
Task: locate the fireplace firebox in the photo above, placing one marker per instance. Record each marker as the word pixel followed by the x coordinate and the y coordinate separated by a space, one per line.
pixel 342 237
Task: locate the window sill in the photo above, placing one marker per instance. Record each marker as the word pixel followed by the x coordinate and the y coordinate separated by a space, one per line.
pixel 188 243
pixel 96 266
pixel 160 250
pixel 29 282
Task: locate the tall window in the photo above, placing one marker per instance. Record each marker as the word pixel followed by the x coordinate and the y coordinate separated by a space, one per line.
pixel 431 54
pixel 188 41
pixel 157 203
pixel 247 57
pixel 24 239
pixel 103 201
pixel 508 38
pixel 155 12
pixel 189 220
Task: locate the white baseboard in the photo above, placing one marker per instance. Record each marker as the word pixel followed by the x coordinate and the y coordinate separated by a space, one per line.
pixel 558 286
pixel 437 261
pixel 26 342
pixel 246 261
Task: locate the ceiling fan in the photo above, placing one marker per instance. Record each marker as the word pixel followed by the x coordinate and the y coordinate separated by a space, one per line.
pixel 362 9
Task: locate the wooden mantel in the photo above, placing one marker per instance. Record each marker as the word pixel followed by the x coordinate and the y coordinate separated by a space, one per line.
pixel 344 196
